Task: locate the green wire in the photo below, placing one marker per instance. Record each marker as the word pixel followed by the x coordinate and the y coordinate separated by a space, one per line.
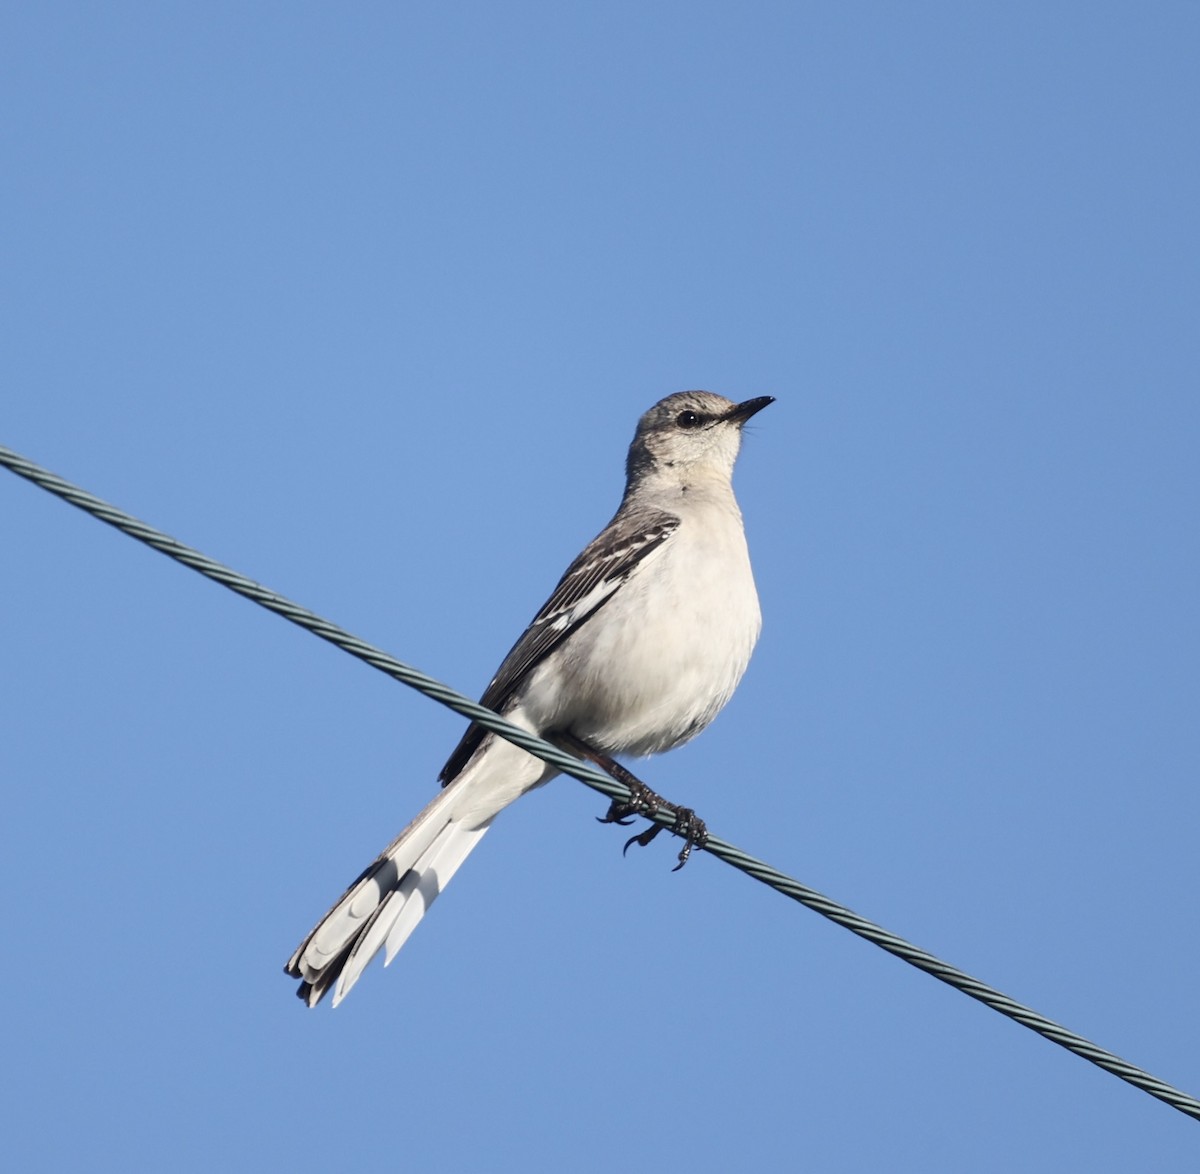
pixel 598 781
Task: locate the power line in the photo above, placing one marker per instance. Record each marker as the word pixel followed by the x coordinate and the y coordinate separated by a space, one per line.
pixel 589 775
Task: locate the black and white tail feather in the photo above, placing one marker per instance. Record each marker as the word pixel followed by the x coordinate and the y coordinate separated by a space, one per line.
pixel 385 903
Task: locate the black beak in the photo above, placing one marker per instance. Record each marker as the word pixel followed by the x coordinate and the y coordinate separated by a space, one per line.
pixel 746 409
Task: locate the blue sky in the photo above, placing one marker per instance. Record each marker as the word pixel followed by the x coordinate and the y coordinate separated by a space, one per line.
pixel 363 300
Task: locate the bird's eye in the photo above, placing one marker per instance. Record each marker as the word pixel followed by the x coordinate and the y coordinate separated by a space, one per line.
pixel 688 419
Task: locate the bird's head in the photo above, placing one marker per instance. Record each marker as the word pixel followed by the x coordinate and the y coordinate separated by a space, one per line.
pixel 692 436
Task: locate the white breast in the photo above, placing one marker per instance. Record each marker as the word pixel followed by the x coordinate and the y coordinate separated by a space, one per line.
pixel 664 655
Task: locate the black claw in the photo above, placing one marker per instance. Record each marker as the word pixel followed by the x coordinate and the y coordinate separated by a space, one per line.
pixel 610 818
pixel 642 839
pixel 684 855
pixel 694 833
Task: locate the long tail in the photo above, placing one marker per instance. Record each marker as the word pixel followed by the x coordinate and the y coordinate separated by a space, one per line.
pixel 383 906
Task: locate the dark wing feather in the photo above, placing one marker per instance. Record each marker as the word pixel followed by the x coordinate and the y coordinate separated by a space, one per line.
pixel 589 583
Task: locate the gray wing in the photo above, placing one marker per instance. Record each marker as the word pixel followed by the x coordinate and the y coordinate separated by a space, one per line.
pixel 589 583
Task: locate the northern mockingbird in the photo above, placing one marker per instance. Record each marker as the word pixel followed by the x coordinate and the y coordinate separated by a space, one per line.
pixel 643 641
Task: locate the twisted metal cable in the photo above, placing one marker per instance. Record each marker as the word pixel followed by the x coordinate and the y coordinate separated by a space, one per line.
pixel 598 781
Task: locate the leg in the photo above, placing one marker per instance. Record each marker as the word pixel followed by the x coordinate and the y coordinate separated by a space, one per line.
pixel 642 801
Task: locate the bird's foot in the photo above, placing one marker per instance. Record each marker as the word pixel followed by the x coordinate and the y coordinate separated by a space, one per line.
pixel 642 802
pixel 688 826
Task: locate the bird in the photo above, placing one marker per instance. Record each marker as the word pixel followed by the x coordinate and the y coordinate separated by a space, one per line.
pixel 640 645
